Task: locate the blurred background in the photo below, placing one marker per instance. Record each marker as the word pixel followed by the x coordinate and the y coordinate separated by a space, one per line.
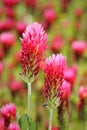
pixel 65 22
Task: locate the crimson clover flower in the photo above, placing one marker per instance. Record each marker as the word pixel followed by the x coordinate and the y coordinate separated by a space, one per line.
pixel 33 45
pixel 54 74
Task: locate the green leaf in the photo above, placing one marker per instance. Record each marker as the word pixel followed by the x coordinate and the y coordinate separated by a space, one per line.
pixel 24 122
pixel 33 126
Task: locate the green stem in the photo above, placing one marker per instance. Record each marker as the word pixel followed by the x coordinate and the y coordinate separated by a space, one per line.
pixel 50 119
pixel 29 96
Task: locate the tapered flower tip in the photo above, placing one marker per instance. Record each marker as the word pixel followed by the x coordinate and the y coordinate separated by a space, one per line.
pixel 36 36
pixel 13 126
pixel 56 64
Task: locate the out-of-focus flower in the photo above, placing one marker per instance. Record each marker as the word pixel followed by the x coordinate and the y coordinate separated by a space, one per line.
pixel 31 3
pixel 2 124
pixel 33 45
pixel 65 90
pixel 20 26
pixel 54 74
pixel 77 25
pixel 15 60
pixel 17 57
pixel 55 128
pixel 1 68
pixel 78 12
pixel 50 15
pixel 16 87
pixel 70 75
pixel 8 112
pixel 79 47
pixel 10 2
pixel 64 4
pixel 13 126
pixel 1 11
pixel 1 54
pixel 57 44
pixel 81 105
pixel 83 92
pixel 7 39
pixel 7 24
pixel 10 12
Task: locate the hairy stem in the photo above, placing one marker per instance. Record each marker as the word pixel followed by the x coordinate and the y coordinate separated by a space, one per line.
pixel 50 119
pixel 29 96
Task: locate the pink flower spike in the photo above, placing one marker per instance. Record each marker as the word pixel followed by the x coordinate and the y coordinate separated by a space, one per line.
pixel 54 74
pixel 33 45
pixel 13 126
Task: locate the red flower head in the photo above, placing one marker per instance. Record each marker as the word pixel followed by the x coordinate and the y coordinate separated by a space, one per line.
pixel 8 112
pixel 83 92
pixel 13 126
pixel 57 44
pixel 7 39
pixel 54 74
pixel 79 47
pixel 33 45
